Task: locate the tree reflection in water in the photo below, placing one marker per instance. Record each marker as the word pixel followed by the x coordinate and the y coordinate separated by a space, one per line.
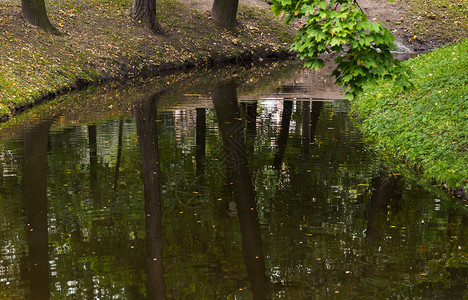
pixel 384 189
pixel 232 130
pixel 145 114
pixel 35 203
pixel 335 222
pixel 284 134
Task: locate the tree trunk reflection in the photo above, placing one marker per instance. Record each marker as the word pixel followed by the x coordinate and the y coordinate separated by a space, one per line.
pixel 284 134
pixel 306 127
pixel 232 131
pixel 314 118
pixel 250 110
pixel 93 164
pixel 145 114
pixel 200 141
pixel 384 189
pixel 119 157
pixel 35 203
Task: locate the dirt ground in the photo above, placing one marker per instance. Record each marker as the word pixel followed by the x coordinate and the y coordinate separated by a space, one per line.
pixel 396 15
pixel 419 25
pixel 204 5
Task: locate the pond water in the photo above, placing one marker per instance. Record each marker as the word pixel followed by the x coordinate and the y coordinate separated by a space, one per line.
pixel 235 183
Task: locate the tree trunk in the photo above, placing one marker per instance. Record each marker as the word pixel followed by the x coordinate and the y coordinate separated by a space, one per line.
pixel 144 11
pixel 224 12
pixel 34 11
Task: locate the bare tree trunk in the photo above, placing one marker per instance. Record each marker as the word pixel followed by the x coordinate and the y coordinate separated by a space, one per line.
pixel 224 12
pixel 34 11
pixel 144 11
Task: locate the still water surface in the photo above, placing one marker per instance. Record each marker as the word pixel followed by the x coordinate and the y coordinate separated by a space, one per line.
pixel 237 183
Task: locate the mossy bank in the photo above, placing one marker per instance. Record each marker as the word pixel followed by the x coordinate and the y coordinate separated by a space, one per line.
pixel 100 42
pixel 427 125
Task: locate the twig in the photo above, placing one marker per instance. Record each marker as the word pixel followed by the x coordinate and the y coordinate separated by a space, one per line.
pixel 355 2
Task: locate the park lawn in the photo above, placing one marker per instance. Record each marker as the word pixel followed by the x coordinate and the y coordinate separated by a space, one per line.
pixel 428 124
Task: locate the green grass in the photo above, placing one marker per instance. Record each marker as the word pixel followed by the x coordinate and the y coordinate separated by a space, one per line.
pixel 428 125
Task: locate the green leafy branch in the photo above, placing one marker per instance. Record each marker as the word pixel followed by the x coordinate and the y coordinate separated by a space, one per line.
pixel 340 26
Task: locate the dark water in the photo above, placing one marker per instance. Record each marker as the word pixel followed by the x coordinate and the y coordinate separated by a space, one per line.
pixel 240 187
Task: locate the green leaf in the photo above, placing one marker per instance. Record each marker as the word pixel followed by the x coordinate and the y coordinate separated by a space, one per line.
pixel 329 28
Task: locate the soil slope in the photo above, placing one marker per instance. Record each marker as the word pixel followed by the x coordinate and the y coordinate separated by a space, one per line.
pixel 421 25
pixel 100 41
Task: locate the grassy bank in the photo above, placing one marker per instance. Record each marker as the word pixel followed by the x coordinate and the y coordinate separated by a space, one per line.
pixel 101 42
pixel 428 125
